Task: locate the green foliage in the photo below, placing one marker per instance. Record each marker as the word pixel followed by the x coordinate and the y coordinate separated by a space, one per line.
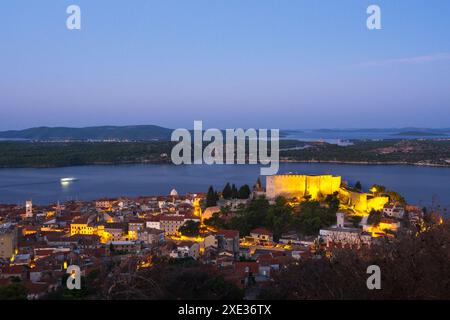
pixel 332 200
pixel 215 221
pixel 313 217
pixel 188 280
pixel 393 196
pixel 244 192
pixel 355 221
pixel 56 154
pixel 190 228
pixel 231 192
pixel 227 192
pixel 234 192
pixel 379 188
pixel 251 216
pixel 358 186
pixel 211 197
pixel 374 217
pixel 75 294
pixel 90 287
pixel 414 267
pixel 429 151
pixel 280 217
pixel 140 132
pixel 13 291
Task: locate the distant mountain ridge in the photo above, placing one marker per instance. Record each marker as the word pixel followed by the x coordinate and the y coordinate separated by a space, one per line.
pixel 154 132
pixel 421 133
pixel 138 132
pixel 395 130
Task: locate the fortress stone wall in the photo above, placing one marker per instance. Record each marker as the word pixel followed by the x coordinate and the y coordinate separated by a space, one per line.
pixel 357 200
pixel 294 185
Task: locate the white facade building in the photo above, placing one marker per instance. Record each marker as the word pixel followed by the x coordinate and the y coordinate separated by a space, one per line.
pixel 29 209
pixel 394 211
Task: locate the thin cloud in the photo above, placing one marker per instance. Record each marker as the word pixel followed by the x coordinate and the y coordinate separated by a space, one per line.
pixel 411 60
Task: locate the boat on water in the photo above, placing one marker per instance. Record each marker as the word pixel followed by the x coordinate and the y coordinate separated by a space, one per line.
pixel 67 180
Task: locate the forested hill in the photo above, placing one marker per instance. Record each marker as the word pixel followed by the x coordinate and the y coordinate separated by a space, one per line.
pixel 141 132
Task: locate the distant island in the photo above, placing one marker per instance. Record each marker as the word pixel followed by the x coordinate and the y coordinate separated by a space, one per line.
pixel 140 132
pixel 60 154
pixel 158 133
pixel 63 146
pixel 420 134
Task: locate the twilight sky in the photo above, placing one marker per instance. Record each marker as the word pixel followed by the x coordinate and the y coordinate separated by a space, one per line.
pixel 231 63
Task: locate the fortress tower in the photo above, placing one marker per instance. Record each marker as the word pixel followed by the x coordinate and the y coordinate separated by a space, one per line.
pixel 29 209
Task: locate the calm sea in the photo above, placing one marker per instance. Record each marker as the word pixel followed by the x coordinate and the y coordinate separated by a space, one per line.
pixel 420 185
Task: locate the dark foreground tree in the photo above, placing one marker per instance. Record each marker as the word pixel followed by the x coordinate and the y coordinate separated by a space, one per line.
pixel 14 291
pixel 412 267
pixel 189 281
pixel 91 285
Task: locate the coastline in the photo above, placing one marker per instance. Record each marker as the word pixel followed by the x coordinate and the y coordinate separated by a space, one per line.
pixel 367 163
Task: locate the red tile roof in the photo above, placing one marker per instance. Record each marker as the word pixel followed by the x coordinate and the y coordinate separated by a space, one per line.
pixel 263 231
pixel 240 267
pixel 229 233
pixel 12 270
pixel 172 218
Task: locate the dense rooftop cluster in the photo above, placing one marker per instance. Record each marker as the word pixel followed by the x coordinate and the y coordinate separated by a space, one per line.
pixel 38 243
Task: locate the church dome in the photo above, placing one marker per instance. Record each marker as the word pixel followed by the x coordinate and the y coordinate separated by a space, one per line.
pixel 174 193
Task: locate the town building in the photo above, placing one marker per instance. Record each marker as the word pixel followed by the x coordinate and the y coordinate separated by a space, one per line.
pixel 153 223
pixel 124 246
pixel 151 236
pixel 82 225
pixel 29 209
pixel 8 241
pixel 394 211
pixel 171 224
pixel 228 240
pixel 261 236
pixel 185 249
pixel 340 235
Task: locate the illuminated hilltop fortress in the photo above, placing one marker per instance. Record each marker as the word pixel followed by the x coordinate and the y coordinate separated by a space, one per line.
pixel 294 185
pixel 317 187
